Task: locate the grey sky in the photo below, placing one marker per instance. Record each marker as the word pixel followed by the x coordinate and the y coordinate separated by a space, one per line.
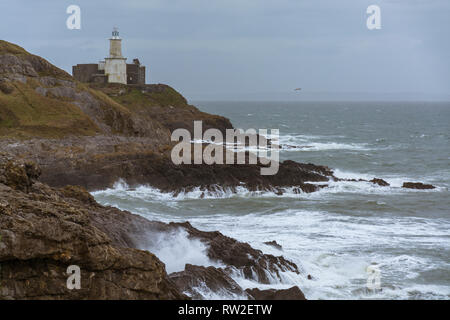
pixel 253 49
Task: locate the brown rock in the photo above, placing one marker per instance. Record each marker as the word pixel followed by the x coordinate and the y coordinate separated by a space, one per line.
pixel 293 293
pixel 43 232
pixel 6 88
pixel 380 182
pixel 417 185
pixel 274 244
pixel 194 280
pixel 253 263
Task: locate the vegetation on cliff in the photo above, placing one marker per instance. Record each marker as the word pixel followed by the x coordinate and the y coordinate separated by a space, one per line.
pixel 39 100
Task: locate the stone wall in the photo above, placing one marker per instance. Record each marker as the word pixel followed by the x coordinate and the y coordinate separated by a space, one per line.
pixel 135 74
pixel 84 72
pixel 116 71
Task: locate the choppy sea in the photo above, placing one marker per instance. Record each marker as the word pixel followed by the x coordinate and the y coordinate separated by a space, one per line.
pixel 335 234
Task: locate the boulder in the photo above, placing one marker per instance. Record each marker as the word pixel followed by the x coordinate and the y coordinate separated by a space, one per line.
pixel 274 244
pixel 197 281
pixel 380 182
pixel 43 232
pixel 417 185
pixel 293 293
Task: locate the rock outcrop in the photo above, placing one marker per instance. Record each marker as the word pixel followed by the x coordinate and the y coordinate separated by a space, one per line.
pixel 380 182
pixel 293 293
pixel 43 231
pixel 274 244
pixel 78 137
pixel 197 281
pixel 418 185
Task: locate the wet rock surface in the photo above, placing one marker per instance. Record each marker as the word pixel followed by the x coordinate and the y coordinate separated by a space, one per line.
pixel 252 263
pixel 418 185
pixel 293 293
pixel 274 244
pixel 95 136
pixel 196 280
pixel 45 230
pixel 380 182
pixel 98 162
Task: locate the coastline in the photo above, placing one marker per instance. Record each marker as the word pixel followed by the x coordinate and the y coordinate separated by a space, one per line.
pixel 103 134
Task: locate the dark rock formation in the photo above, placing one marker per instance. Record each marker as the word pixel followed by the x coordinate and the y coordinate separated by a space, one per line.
pixel 241 256
pixel 418 185
pixel 43 231
pixel 98 162
pixel 195 280
pixel 293 293
pixel 93 135
pixel 380 182
pixel 129 230
pixel 274 244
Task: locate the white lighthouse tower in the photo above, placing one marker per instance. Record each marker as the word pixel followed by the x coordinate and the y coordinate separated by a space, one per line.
pixel 115 64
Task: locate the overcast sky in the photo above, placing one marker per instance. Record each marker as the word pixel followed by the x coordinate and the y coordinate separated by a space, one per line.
pixel 253 49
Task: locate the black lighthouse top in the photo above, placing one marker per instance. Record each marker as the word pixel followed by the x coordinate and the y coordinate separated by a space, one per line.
pixel 115 33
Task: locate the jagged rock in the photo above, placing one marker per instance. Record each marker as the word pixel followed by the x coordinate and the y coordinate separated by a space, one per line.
pixel 129 230
pixel 293 293
pixel 18 175
pixel 6 88
pixel 98 135
pixel 98 162
pixel 274 244
pixel 380 182
pixel 195 280
pixel 253 264
pixel 43 232
pixel 417 185
pixel 78 193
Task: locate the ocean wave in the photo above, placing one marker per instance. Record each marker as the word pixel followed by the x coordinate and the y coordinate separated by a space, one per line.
pixel 122 191
pixel 337 249
pixel 298 142
pixel 176 250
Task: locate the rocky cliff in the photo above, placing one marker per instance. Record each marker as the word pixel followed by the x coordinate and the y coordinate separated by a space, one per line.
pixel 59 137
pixel 45 230
pixel 93 135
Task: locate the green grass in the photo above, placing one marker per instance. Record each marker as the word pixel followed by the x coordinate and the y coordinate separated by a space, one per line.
pixel 135 98
pixel 8 47
pixel 42 66
pixel 25 113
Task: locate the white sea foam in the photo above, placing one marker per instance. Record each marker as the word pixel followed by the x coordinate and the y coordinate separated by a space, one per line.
pixel 122 191
pixel 334 248
pixel 297 142
pixel 207 294
pixel 330 247
pixel 176 250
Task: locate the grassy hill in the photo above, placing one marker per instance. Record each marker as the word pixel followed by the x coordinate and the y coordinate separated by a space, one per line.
pixel 39 100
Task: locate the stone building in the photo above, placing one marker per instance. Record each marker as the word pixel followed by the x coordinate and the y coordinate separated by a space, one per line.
pixel 113 69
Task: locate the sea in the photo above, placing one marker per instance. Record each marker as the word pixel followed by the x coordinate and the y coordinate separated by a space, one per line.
pixel 356 240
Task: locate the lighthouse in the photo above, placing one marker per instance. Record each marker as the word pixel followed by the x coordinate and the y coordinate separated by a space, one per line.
pixel 115 64
pixel 113 69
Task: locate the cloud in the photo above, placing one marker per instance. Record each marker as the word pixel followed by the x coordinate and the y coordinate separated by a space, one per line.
pixel 250 45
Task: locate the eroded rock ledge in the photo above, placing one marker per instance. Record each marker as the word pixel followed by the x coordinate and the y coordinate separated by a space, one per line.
pixel 44 230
